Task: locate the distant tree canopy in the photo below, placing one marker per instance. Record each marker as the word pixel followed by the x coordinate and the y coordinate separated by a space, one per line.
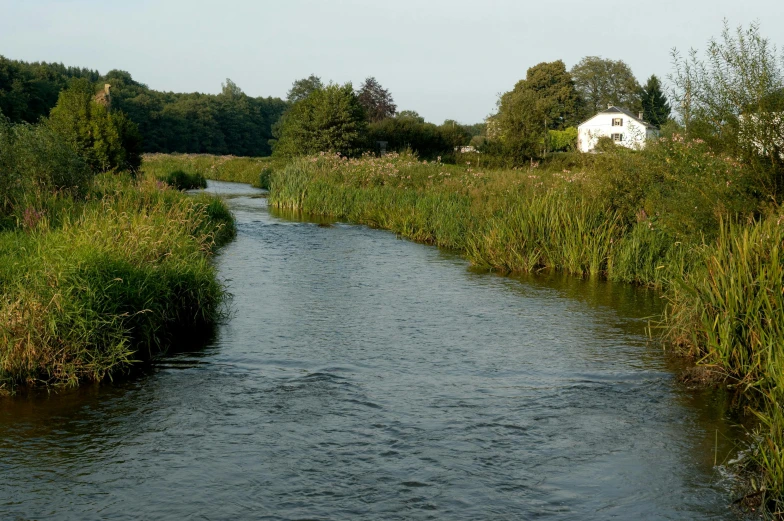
pixel 329 119
pixel 104 139
pixel 545 100
pixel 28 91
pixel 227 123
pixel 602 82
pixel 655 107
pixel 376 100
pixel 301 89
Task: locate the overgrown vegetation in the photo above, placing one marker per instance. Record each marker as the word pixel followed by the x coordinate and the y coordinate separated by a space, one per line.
pixel 696 214
pixel 254 171
pixel 96 273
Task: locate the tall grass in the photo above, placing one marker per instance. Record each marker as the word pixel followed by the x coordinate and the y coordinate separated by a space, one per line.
pixel 87 288
pixel 510 221
pixel 728 312
pixel 676 217
pixel 250 170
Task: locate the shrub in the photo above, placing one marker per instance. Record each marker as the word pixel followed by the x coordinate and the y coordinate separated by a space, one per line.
pixel 106 140
pixel 34 160
pixel 184 181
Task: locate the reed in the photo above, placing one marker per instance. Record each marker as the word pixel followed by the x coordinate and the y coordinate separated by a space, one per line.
pixel 250 170
pixel 722 274
pixel 105 282
pixel 510 221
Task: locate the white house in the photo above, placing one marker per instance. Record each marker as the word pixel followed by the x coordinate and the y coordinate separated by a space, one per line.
pixel 620 125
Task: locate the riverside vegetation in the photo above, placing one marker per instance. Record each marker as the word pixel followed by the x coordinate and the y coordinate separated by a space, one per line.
pixel 98 271
pixel 696 214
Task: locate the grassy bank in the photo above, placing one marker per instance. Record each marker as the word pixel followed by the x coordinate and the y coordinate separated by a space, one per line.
pixel 90 285
pixel 189 168
pixel 676 217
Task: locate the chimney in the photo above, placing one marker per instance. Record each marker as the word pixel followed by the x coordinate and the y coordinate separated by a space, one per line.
pixel 640 116
pixel 106 88
pixel 609 105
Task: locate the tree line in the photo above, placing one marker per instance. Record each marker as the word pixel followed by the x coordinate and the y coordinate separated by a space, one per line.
pixel 541 112
pixel 227 123
pixel 538 114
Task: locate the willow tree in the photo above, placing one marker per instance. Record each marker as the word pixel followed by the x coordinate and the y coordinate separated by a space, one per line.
pixel 733 99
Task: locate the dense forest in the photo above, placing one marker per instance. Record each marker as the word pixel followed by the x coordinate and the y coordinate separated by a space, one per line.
pixel 227 123
pixel 316 117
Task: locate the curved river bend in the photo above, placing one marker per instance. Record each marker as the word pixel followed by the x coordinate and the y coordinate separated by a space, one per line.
pixel 365 377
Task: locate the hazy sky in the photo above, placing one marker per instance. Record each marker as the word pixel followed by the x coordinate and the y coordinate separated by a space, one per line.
pixel 442 58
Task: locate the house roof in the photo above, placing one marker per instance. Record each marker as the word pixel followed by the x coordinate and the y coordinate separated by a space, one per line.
pixel 617 110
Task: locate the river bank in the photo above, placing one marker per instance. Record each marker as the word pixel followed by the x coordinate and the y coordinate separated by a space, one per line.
pixel 92 285
pixel 718 276
pixel 362 377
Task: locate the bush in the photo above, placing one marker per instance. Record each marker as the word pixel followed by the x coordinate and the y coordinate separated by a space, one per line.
pixel 34 160
pixel 106 140
pixel 563 140
pixel 184 181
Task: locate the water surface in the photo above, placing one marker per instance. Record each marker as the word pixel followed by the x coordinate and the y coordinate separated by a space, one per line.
pixel 366 377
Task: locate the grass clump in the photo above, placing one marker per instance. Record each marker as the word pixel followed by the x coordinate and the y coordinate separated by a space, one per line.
pixel 106 282
pixel 254 171
pixel 183 180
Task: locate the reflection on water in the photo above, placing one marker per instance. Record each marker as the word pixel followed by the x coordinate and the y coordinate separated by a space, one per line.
pixel 365 377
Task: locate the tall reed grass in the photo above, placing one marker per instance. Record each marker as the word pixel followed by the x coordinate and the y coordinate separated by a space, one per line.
pixel 677 218
pixel 89 287
pixel 510 221
pixel 254 171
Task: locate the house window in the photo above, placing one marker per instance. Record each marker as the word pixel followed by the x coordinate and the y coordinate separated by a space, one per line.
pixel 617 122
pixel 617 138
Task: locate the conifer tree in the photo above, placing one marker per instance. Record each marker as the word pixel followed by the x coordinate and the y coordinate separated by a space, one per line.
pixel 655 107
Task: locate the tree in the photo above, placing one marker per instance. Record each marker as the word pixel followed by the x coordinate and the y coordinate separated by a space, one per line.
pixel 545 100
pixel 603 82
pixel 377 100
pixel 329 119
pixel 409 131
pixel 231 89
pixel 412 114
pixel 454 134
pixel 655 107
pixel 99 136
pixel 733 101
pixel 303 88
pixel 555 90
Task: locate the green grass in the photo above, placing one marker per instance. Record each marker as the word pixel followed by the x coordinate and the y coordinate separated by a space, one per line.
pixel 90 287
pixel 254 171
pixel 183 180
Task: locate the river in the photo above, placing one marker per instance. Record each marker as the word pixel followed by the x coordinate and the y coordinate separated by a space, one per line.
pixel 365 377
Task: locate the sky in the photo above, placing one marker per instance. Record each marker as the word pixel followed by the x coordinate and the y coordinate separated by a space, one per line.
pixel 446 59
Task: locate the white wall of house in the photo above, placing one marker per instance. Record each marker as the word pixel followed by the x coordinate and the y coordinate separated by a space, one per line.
pixel 620 127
